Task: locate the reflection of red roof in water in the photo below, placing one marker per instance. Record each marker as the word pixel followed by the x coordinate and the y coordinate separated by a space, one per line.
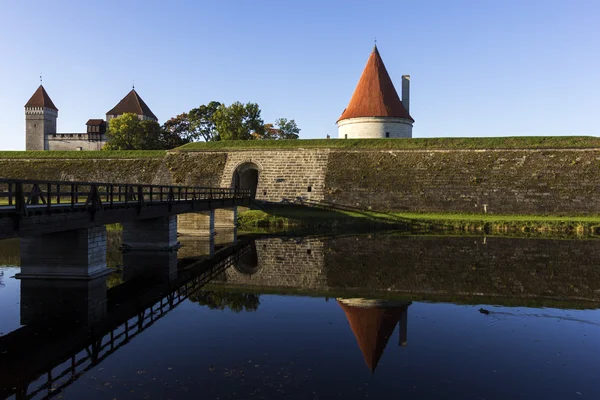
pixel 372 327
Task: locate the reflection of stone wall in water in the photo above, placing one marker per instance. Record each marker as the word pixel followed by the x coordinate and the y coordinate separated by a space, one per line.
pixel 466 265
pixel 114 241
pixel 284 263
pixel 504 267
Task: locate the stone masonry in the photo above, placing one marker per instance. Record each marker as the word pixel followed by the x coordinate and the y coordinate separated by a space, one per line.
pixel 73 254
pixel 284 175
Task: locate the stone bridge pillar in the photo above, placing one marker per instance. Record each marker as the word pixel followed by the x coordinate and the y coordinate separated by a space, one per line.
pixel 151 234
pixel 74 254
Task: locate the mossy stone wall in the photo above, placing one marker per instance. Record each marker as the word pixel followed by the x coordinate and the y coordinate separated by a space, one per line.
pixel 493 181
pixel 496 181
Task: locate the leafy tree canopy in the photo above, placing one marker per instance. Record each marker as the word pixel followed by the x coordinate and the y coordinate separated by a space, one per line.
pixel 216 121
pixel 128 132
pixel 281 129
pixel 238 121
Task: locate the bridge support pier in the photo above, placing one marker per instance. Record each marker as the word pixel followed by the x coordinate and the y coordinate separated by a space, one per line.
pixel 64 300
pixel 151 234
pixel 74 254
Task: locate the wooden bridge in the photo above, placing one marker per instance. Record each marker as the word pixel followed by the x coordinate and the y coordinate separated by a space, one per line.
pixel 32 207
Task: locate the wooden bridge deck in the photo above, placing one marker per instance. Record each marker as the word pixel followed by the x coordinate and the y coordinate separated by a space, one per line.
pixel 36 207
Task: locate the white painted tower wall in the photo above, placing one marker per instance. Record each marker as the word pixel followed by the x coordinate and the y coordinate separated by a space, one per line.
pixel 374 128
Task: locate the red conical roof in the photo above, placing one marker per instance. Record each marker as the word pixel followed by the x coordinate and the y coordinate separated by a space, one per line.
pixel 372 327
pixel 375 95
pixel 132 103
pixel 41 99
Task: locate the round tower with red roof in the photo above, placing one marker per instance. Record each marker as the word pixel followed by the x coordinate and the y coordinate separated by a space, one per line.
pixel 375 110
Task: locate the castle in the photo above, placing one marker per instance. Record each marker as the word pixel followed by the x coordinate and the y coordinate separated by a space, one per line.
pixel 40 123
pixel 375 110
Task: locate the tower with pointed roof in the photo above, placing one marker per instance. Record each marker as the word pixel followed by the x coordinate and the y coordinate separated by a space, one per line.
pixel 40 120
pixel 375 109
pixel 132 103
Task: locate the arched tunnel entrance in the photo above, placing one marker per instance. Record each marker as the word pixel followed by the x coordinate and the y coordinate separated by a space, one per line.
pixel 246 177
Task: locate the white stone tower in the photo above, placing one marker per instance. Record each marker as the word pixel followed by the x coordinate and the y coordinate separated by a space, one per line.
pixel 40 120
pixel 375 110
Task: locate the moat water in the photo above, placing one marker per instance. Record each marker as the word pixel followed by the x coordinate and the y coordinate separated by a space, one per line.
pixel 356 316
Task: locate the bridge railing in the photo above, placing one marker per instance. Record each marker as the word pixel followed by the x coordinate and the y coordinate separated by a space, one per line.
pixel 22 196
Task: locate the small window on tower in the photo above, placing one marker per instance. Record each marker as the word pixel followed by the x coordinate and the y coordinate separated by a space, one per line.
pixel 387 134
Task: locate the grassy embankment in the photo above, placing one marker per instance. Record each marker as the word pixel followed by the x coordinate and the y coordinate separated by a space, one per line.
pixel 72 154
pixel 296 216
pixel 523 142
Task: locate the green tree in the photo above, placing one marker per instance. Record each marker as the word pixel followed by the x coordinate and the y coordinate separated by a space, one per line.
pixel 238 121
pixel 281 129
pixel 128 132
pixel 194 125
pixel 202 121
pixel 179 126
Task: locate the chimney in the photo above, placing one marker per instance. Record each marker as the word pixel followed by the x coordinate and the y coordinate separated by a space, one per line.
pixel 406 92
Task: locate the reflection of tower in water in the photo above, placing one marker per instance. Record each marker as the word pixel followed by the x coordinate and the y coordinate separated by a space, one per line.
pixel 373 322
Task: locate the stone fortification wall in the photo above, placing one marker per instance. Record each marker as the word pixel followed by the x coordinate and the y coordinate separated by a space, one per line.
pixel 283 174
pixel 550 181
pixel 505 181
pixel 140 170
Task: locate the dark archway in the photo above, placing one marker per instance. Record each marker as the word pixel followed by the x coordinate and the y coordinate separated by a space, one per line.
pixel 246 177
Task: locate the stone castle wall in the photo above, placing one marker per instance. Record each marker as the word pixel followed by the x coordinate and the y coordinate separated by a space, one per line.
pixel 549 181
pixel 73 142
pixel 284 175
pixel 505 181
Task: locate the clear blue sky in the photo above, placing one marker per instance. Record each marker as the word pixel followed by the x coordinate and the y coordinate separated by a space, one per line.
pixel 478 68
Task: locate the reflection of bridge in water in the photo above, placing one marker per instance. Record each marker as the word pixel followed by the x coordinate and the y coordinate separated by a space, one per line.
pixel 72 326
